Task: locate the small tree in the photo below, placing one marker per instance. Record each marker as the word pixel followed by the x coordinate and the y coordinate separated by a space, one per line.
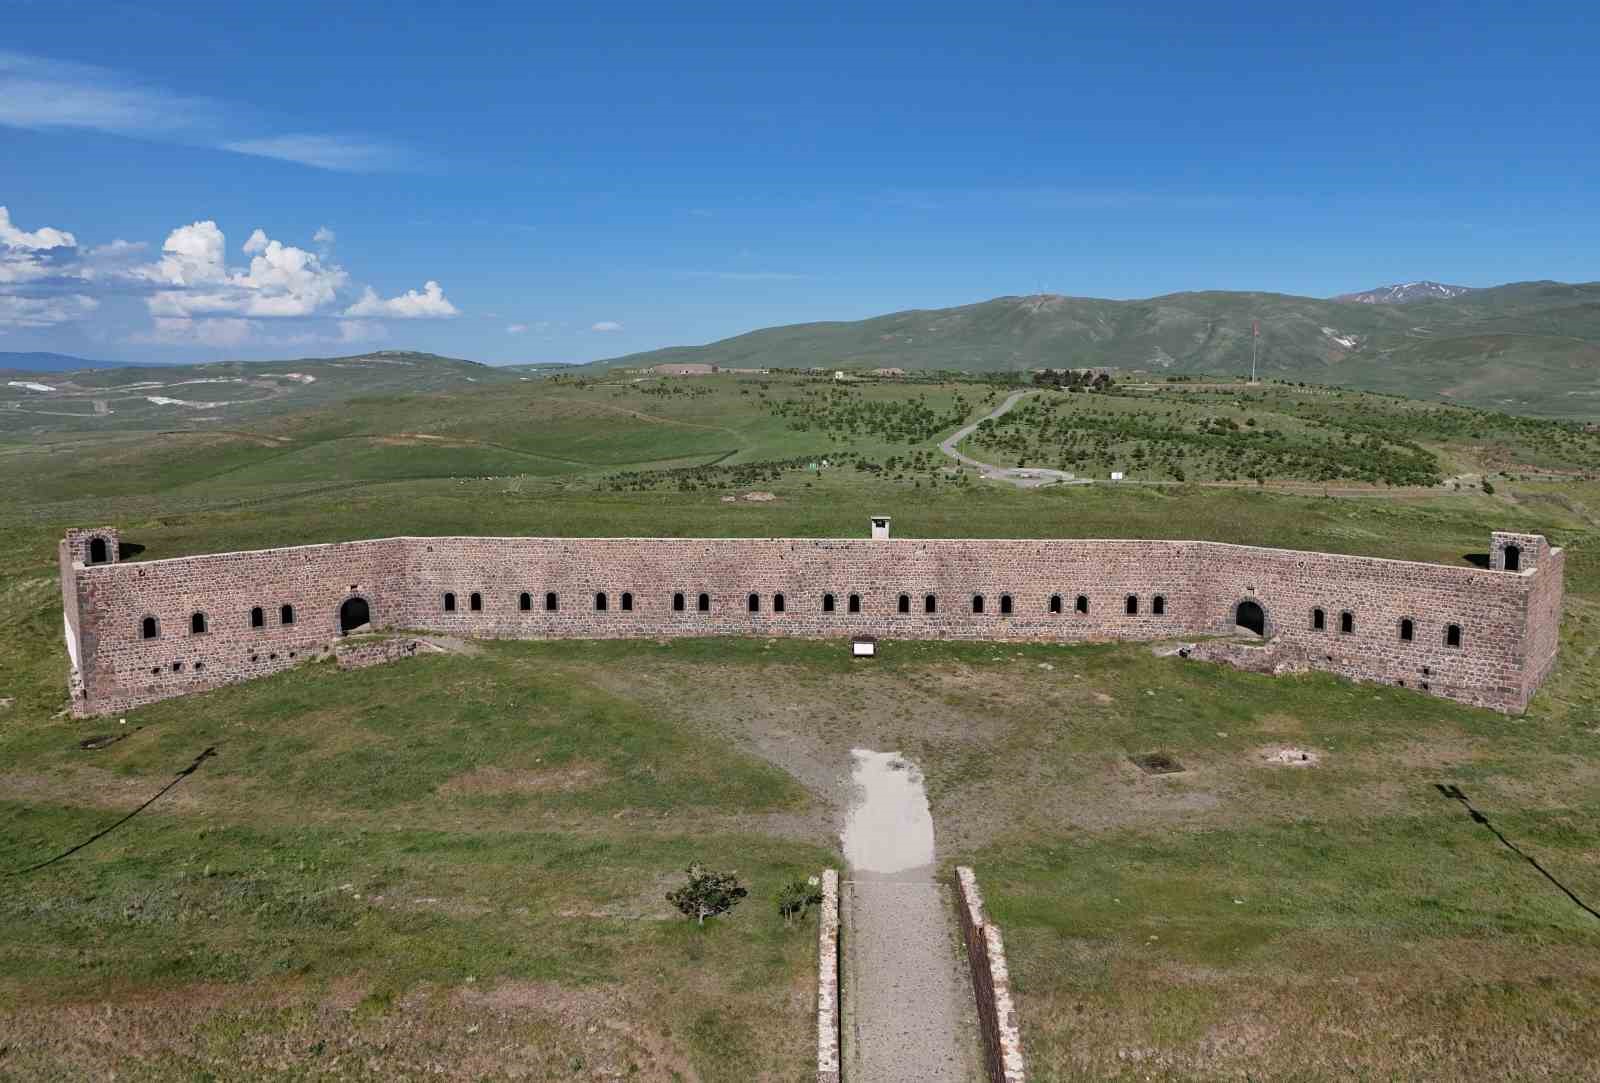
pixel 706 893
pixel 796 897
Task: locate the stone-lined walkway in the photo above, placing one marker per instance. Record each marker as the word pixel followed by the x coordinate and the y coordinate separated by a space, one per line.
pixel 909 1012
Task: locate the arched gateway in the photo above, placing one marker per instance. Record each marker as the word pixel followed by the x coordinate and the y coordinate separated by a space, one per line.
pixel 1251 617
pixel 353 614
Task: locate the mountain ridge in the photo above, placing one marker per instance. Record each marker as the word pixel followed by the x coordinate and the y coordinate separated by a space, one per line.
pixel 1523 347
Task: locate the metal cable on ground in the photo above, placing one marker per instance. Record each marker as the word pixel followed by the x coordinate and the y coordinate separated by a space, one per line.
pixel 183 774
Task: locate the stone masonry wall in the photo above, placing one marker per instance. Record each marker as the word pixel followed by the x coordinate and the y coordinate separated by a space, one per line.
pixel 991 984
pixel 1508 621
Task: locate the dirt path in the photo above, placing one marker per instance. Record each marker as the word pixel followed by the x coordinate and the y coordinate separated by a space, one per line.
pixel 908 1007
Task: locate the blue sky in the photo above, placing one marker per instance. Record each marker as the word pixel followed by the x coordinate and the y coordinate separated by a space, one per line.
pixel 577 184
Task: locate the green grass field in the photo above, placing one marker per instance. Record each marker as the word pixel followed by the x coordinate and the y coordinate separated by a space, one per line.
pixel 458 863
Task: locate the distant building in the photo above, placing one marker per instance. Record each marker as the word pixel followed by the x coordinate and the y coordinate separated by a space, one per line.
pixel 888 372
pixel 695 369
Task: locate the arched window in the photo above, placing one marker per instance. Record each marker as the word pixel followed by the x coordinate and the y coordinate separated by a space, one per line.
pixel 904 605
pixel 286 614
pixel 1513 555
pixel 703 603
pixel 827 603
pixel 1452 635
pixel 677 602
pixel 97 550
pixel 197 624
pixel 627 601
pixel 476 602
pixel 551 602
pixel 524 602
pixel 600 601
pixel 977 603
pixel 148 628
pixel 777 603
pixel 754 603
pixel 855 603
pixel 1158 604
pixel 1347 622
pixel 930 604
pixel 258 618
pixel 1082 604
pixel 1132 604
pixel 449 601
pixel 1055 603
pixel 1408 630
pixel 1319 620
pixel 1005 605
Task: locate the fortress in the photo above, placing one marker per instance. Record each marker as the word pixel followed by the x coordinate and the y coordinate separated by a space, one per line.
pixel 143 631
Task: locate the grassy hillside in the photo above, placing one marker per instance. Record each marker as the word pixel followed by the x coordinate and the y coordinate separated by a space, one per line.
pixel 1544 361
pixel 456 865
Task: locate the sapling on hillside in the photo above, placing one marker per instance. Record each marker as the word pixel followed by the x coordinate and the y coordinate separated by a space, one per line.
pixel 706 894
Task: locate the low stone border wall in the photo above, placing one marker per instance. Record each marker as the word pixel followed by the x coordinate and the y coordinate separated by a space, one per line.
pixel 375 652
pixel 828 1022
pixel 991 984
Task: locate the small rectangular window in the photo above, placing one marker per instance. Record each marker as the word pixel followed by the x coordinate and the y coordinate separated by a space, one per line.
pixel 449 602
pixel 476 602
pixel 703 603
pixel 258 619
pixel 1319 620
pixel 627 601
pixel 551 602
pixel 1133 604
pixel 855 603
pixel 1347 622
pixel 1055 603
pixel 600 602
pixel 1408 630
pixel 1082 604
pixel 524 601
pixel 977 603
pixel 677 602
pixel 1452 635
pixel 930 604
pixel 778 603
pixel 904 604
pixel 286 615
pixel 1158 604
pixel 1005 605
pixel 827 603
pixel 754 603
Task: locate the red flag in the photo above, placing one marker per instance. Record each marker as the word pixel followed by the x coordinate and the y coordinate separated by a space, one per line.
pixel 1255 328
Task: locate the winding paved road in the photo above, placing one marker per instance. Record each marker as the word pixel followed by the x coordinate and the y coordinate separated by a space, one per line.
pixel 1029 477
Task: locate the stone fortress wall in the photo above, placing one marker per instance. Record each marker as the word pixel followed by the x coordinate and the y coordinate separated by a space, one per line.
pixel 143 631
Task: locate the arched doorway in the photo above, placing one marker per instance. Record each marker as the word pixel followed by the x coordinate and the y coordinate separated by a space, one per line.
pixel 353 614
pixel 97 550
pixel 1251 617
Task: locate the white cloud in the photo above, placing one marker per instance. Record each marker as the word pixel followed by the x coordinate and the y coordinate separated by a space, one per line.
pixel 43 237
pixel 225 331
pixel 39 93
pixel 516 329
pixel 44 311
pixel 410 305
pixel 28 256
pixel 281 280
pixel 323 235
pixel 360 330
pixel 343 154
pixel 606 325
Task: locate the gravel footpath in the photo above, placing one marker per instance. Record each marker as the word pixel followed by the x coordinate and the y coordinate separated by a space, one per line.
pixel 907 1000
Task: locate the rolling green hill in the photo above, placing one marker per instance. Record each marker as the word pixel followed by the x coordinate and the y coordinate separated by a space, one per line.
pixel 1528 347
